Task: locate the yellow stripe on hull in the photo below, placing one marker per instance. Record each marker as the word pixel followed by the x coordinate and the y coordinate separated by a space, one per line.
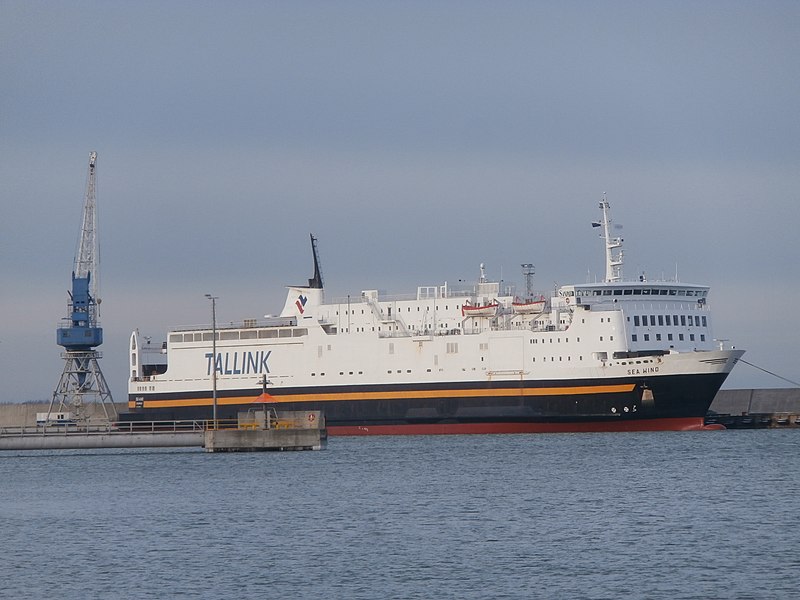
pixel 398 395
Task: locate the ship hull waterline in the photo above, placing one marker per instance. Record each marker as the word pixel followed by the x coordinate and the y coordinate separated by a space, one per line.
pixel 677 403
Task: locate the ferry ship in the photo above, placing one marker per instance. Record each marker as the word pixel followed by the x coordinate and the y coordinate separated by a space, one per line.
pixel 608 356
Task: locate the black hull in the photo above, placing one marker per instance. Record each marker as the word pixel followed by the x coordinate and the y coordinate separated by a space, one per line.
pixel 601 401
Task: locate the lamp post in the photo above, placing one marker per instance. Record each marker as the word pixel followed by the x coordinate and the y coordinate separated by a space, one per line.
pixel 214 355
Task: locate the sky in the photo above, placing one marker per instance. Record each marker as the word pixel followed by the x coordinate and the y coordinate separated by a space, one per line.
pixel 416 140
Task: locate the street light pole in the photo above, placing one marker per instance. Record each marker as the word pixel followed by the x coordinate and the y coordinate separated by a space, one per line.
pixel 214 355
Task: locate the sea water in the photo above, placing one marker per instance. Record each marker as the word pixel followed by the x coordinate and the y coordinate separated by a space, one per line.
pixel 635 515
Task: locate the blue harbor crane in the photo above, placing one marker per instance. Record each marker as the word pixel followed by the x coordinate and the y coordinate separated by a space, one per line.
pixel 82 387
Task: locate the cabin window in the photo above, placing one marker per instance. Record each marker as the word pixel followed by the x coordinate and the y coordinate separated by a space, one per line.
pixel 250 334
pixel 636 320
pixel 176 337
pixel 675 320
pixel 702 337
pixel 618 292
pixel 661 320
pixel 669 321
pixel 267 333
pixel 680 336
pixel 683 320
pixel 658 337
pixel 284 333
pixel 646 337
pixel 691 337
pixel 229 335
pixel 634 337
pixel 705 323
pixel 669 337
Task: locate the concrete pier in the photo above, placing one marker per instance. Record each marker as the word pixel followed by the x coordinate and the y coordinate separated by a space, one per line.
pixel 253 431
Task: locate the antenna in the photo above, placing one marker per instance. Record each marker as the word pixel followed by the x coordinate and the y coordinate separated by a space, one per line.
pixel 614 252
pixel 528 270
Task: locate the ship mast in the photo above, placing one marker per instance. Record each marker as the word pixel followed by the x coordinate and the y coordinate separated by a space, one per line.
pixel 614 252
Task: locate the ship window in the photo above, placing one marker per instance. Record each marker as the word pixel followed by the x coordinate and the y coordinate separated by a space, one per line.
pixel 669 337
pixel 702 337
pixel 675 320
pixel 658 337
pixel 705 322
pixel 646 337
pixel 601 338
pixel 681 292
pixel 691 337
pixel 633 338
pixel 284 333
pixel 669 320
pixel 299 332
pixel 664 292
pixel 636 320
pixel 606 292
pixel 176 337
pixel 673 292
pixel 229 335
pixel 618 292
pixel 683 320
pixel 208 337
pixel 267 333
pixel 628 292
pixel 660 319
pixel 611 337
pixel 248 335
pixel 646 292
pixel 680 336
pixel 188 337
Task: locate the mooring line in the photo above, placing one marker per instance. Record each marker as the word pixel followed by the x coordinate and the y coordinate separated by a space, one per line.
pixel 770 372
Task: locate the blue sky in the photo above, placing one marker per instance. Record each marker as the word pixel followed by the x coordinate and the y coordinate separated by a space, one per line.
pixel 415 139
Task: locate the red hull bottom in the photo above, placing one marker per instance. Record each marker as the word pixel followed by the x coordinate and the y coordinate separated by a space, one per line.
pixel 673 424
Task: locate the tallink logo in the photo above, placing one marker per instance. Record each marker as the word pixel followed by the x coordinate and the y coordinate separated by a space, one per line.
pixel 239 363
pixel 300 303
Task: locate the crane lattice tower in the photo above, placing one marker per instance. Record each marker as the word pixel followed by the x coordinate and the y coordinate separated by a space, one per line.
pixel 82 389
